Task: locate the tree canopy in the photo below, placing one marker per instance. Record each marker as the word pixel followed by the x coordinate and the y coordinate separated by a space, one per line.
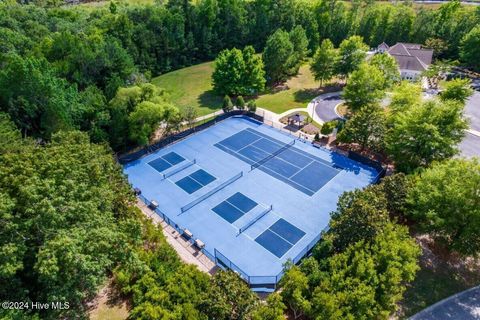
pixel 457 90
pixel 444 201
pixel 278 56
pixel 323 62
pixel 389 68
pixel 349 284
pixel 425 132
pixel 365 87
pixel 352 53
pixel 367 127
pixel 238 72
pixel 470 48
pixel 66 220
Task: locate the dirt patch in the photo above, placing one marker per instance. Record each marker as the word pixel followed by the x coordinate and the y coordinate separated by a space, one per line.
pixel 109 304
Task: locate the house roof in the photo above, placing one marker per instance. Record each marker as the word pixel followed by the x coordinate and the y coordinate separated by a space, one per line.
pixel 383 45
pixel 406 62
pixel 411 56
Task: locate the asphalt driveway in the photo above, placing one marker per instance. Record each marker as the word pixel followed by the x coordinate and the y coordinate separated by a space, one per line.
pixel 325 107
pixel 470 146
pixel 461 306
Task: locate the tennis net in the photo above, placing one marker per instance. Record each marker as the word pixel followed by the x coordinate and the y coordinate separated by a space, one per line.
pixel 211 192
pixel 276 153
pixel 250 223
pixel 181 168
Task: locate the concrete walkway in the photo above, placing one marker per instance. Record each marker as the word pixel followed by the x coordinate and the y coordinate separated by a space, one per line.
pixel 184 249
pixel 464 305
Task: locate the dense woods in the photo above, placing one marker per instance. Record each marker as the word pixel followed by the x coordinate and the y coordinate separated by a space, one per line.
pixel 62 66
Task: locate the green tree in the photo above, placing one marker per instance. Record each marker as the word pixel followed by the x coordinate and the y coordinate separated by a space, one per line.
pixel 254 76
pixel 137 128
pixel 360 215
pixel 367 280
pixel 229 297
pixel 252 106
pixel 438 45
pixel 189 114
pixel 323 63
pixel 352 53
pixel 405 95
pixel 366 127
pixel 294 288
pixel 365 87
pixel 37 100
pixel 277 57
pixel 470 48
pixel 299 40
pixel 93 116
pixel 389 68
pixel 228 73
pixel 75 224
pixel 444 201
pixel 329 126
pixel 424 133
pixel 457 90
pixel 396 188
pixel 272 310
pixel 238 72
pixel 144 120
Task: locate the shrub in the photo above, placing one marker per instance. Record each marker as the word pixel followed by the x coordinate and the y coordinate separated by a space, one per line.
pixel 252 106
pixel 328 127
pixel 240 103
pixel 227 104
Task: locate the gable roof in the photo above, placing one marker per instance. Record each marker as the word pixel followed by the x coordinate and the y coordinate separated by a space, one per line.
pixel 406 62
pixel 383 45
pixel 411 56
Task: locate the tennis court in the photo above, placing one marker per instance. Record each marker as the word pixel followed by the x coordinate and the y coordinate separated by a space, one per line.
pixel 299 169
pixel 255 196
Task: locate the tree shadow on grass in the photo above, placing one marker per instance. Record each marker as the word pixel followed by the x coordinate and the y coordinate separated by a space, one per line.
pixel 306 95
pixel 210 100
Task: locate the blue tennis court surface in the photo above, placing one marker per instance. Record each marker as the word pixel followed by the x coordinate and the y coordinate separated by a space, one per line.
pixel 234 207
pixel 280 237
pixel 253 195
pixel 293 166
pixel 166 161
pixel 195 181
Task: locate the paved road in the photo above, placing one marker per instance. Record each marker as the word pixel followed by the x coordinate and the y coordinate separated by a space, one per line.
pixel 325 106
pixel 472 111
pixel 469 147
pixel 462 306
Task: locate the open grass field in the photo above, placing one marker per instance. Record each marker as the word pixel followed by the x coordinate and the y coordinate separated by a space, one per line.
pixel 191 86
pixel 300 90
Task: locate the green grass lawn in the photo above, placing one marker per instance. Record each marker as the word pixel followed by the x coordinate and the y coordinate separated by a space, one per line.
pixel 191 86
pixel 300 91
